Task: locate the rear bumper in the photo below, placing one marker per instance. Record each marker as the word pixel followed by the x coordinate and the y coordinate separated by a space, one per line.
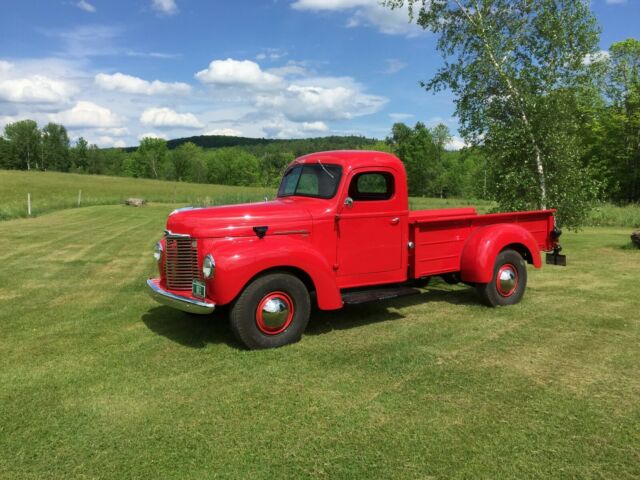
pixel 172 300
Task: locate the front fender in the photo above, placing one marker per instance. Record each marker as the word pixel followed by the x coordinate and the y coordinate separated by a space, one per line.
pixel 238 260
pixel 483 246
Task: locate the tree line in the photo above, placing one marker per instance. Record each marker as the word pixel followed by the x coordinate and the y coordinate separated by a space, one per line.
pixel 245 163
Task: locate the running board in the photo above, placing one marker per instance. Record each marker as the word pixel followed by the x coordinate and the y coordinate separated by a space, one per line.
pixel 371 295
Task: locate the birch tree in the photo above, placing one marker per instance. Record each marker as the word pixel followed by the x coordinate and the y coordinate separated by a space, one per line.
pixel 513 66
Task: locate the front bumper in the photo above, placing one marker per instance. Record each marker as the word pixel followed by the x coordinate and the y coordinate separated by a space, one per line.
pixel 172 300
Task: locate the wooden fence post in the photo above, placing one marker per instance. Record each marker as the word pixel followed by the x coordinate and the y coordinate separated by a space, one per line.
pixel 29 204
pixel 79 197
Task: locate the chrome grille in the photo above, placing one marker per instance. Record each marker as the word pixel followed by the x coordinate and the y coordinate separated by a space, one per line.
pixel 181 262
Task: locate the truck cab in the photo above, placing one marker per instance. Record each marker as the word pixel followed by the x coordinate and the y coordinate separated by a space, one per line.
pixel 339 231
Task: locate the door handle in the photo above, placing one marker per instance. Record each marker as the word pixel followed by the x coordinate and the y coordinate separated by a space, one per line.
pixel 395 221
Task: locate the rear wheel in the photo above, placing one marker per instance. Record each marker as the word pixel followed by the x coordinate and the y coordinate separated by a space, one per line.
pixel 272 311
pixel 508 283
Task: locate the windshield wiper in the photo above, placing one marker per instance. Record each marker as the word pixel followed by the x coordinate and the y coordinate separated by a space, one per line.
pixel 325 169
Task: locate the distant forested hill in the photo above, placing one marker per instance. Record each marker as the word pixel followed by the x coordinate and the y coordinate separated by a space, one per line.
pixel 298 146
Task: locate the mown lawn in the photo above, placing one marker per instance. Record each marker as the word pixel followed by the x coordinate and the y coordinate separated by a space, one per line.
pixel 98 381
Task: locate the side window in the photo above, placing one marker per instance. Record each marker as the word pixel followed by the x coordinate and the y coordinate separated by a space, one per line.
pixel 372 186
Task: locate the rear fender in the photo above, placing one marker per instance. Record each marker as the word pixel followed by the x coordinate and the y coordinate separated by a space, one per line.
pixel 239 260
pixel 483 246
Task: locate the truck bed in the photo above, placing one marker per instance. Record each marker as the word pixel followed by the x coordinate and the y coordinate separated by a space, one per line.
pixel 440 235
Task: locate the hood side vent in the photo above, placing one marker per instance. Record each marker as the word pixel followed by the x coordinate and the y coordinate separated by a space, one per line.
pixel 260 231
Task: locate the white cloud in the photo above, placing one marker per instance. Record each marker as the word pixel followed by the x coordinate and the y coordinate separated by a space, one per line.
pixel 366 13
pixel 456 143
pixel 6 120
pixel 597 57
pixel 166 118
pixel 315 127
pixel 86 6
pixel 87 115
pixel 166 7
pixel 88 40
pixel 243 73
pixel 291 69
pixel 280 127
pixel 18 88
pixel 399 117
pixel 115 131
pixel 130 84
pixel 308 103
pixel 330 4
pixel 152 135
pixel 106 142
pixel 227 132
pixel 394 65
pixel 5 66
pixel 271 54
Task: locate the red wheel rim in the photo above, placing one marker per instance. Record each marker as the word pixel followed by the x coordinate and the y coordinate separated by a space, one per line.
pixel 274 313
pixel 507 280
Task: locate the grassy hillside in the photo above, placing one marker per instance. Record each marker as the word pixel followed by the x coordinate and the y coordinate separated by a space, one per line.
pixel 52 191
pixel 98 381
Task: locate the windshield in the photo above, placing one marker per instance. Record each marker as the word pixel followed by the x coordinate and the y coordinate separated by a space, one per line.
pixel 309 180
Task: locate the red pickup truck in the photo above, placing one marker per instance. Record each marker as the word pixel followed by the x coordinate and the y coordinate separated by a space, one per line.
pixel 340 231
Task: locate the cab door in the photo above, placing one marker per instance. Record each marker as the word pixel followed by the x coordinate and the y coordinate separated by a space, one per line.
pixel 371 230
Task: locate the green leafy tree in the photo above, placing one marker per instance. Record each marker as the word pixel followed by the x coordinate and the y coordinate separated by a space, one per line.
pixel 184 159
pixel 5 155
pixel 418 150
pixel 232 166
pixel 24 144
pixel 55 147
pixel 80 155
pixel 515 67
pixel 379 146
pixel 622 122
pixel 149 156
pixel 272 166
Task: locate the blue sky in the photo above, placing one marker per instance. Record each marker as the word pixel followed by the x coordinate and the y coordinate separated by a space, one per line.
pixel 113 71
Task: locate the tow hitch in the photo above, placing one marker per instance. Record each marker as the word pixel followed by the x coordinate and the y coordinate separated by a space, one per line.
pixel 555 258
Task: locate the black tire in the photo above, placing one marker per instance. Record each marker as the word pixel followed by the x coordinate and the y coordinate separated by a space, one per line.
pixel 248 324
pixel 451 278
pixel 497 294
pixel 422 282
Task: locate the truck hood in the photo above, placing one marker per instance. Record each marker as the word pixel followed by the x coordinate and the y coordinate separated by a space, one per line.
pixel 281 216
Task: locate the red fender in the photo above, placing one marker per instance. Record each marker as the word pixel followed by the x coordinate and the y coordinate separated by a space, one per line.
pixel 483 246
pixel 238 260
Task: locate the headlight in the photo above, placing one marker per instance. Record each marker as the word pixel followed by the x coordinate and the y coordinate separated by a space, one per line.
pixel 157 251
pixel 208 267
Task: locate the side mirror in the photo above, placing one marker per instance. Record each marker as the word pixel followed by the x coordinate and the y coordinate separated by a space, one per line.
pixel 348 202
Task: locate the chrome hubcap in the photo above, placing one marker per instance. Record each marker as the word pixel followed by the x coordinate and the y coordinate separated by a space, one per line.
pixel 275 312
pixel 507 280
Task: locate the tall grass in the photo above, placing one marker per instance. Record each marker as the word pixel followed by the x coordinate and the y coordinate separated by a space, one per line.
pixel 608 215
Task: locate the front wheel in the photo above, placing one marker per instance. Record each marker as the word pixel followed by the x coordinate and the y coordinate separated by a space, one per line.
pixel 272 311
pixel 508 283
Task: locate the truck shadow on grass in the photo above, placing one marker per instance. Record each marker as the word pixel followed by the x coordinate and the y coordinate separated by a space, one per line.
pixel 354 316
pixel 196 331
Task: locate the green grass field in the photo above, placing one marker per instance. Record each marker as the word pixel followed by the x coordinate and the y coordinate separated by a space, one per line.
pixel 98 381
pixel 52 191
